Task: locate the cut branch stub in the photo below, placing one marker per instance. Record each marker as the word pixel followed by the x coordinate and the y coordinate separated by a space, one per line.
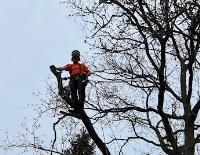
pixel 60 87
pixel 59 79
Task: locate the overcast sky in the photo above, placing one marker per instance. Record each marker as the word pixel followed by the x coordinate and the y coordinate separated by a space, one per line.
pixel 33 35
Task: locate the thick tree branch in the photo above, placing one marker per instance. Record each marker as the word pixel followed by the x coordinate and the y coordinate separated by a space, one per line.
pixel 139 109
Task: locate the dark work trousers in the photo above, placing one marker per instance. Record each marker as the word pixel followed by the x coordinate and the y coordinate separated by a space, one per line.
pixel 77 86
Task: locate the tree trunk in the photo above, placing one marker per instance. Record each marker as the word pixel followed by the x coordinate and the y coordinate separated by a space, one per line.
pixel 101 145
pixel 189 138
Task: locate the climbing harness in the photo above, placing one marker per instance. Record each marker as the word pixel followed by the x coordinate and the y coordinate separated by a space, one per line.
pixel 75 74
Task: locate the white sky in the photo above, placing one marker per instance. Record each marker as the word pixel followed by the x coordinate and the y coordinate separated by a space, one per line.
pixel 33 35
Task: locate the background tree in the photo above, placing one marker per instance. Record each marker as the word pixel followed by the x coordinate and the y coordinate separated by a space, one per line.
pixel 148 53
pixel 81 145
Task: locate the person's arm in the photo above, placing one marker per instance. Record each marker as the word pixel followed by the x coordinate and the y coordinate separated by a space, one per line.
pixel 89 73
pixel 61 68
pixel 86 70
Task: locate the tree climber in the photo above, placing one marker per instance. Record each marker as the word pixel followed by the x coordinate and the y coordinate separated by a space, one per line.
pixel 78 78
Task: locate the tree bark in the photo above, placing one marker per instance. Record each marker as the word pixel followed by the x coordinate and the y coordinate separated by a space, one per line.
pixel 189 137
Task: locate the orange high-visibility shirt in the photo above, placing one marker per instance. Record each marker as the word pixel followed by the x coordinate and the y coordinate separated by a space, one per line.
pixel 77 69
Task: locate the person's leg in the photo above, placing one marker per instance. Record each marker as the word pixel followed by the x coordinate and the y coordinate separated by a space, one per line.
pixel 73 89
pixel 81 91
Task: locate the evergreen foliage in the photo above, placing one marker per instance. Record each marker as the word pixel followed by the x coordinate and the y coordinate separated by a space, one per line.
pixel 81 145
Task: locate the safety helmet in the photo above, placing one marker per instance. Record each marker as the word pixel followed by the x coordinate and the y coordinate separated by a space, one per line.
pixel 75 53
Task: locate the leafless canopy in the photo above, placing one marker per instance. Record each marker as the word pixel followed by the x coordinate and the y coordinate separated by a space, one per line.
pixel 147 55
